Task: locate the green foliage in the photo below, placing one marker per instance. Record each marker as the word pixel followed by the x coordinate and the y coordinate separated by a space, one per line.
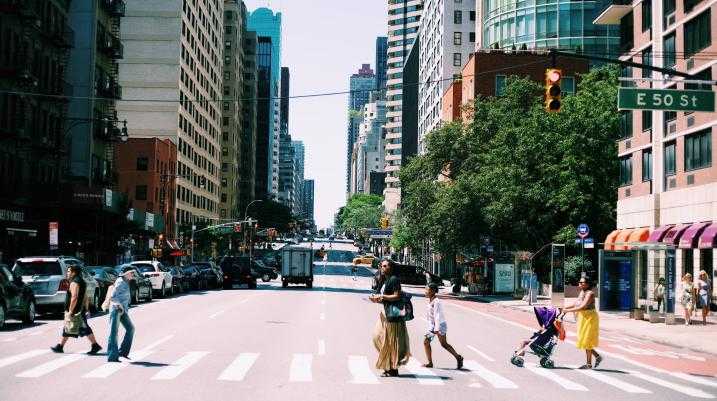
pixel 574 265
pixel 566 235
pixel 361 211
pixel 271 214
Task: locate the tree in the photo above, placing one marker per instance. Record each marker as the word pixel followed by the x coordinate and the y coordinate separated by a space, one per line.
pixel 272 214
pixel 361 211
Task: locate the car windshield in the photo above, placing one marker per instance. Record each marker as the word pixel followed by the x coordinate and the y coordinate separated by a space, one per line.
pixel 144 268
pixel 39 268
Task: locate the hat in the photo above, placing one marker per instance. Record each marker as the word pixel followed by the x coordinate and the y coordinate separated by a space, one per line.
pixel 433 286
pixel 126 272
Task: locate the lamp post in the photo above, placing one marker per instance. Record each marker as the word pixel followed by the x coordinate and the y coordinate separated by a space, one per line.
pixel 246 211
pixel 246 214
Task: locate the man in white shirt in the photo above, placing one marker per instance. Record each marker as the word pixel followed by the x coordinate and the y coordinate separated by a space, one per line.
pixel 437 327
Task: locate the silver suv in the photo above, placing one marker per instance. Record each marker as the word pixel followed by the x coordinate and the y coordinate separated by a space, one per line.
pixel 47 275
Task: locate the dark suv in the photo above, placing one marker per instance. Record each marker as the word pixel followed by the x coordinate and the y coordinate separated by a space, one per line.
pixel 17 299
pixel 237 270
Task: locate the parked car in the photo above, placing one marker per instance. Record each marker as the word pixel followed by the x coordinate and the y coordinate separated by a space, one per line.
pixel 264 272
pixel 140 287
pixel 158 275
pixel 237 270
pixel 180 281
pixel 367 259
pixel 269 257
pixel 47 275
pixel 105 277
pixel 17 301
pixel 213 276
pixel 195 279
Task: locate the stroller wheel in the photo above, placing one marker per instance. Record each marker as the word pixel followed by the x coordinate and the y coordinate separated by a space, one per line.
pixel 547 363
pixel 517 361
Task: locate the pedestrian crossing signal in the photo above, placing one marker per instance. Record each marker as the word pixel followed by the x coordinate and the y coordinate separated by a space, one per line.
pixel 552 90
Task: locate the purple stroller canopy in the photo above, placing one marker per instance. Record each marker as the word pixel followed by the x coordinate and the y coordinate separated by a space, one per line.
pixel 545 315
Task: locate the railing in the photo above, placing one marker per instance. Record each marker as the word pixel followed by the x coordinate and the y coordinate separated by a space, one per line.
pixel 110 44
pixel 114 7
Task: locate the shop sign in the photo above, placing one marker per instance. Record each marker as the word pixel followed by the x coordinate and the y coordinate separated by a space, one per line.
pixel 671 281
pixel 88 196
pixel 504 278
pixel 149 220
pixel 108 198
pixel 54 234
pixel 12 215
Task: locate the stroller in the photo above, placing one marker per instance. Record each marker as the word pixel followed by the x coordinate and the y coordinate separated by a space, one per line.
pixel 543 342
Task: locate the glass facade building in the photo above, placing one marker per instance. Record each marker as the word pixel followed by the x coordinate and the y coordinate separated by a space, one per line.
pixel 540 24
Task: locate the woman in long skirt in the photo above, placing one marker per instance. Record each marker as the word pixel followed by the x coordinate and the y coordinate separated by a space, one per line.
pixel 588 323
pixel 390 338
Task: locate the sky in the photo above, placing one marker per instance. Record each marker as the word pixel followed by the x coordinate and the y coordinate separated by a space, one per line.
pixel 323 43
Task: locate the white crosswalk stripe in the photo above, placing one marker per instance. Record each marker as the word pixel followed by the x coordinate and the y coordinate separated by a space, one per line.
pixel 424 376
pixel 695 379
pixel 494 379
pixel 360 369
pixel 693 392
pixel 300 370
pixel 613 381
pixel 21 357
pixel 481 353
pixel 51 366
pixel 179 366
pixel 550 375
pixel 239 368
pixel 110 368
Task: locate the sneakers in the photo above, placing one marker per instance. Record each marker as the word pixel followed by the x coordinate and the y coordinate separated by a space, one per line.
pixel 58 349
pixel 95 349
pixel 125 356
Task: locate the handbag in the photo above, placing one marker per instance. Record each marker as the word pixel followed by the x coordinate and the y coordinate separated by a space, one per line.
pixel 73 323
pixel 399 311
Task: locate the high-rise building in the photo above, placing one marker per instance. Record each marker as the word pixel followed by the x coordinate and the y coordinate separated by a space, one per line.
pixel 232 98
pixel 286 172
pixel 361 85
pixel 267 25
pixel 409 106
pixel 368 153
pixel 247 150
pixel 264 118
pixel 284 101
pixel 447 38
pixel 381 62
pixel 173 50
pixel 403 21
pixel 309 201
pixel 299 158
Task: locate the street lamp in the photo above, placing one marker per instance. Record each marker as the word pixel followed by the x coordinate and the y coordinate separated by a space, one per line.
pixel 246 211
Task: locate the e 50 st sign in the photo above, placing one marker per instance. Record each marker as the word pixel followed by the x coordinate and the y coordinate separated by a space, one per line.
pixel 665 99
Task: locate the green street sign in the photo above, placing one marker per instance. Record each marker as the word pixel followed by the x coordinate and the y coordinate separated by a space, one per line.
pixel 665 99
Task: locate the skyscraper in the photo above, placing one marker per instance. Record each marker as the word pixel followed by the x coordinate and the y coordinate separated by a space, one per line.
pixel 287 185
pixel 299 193
pixel 381 61
pixel 403 20
pixel 264 118
pixel 361 85
pixel 247 152
pixel 309 201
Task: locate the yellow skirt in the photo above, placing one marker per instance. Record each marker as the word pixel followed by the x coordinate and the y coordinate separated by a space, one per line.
pixel 391 342
pixel 588 329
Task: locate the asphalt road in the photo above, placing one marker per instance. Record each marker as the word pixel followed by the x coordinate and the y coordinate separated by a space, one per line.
pixel 300 344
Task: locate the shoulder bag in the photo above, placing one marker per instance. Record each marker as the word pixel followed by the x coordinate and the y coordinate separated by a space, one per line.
pixel 399 311
pixel 73 323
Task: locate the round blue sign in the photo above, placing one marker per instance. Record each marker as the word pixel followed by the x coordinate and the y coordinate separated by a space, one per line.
pixel 583 230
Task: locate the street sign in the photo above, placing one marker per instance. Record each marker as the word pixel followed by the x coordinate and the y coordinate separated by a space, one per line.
pixel 665 99
pixel 589 243
pixel 583 230
pixel 54 234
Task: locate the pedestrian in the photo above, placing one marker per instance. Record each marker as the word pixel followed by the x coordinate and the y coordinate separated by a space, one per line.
pixel 704 289
pixel 588 323
pixel 688 298
pixel 659 293
pixel 437 326
pixel 390 337
pixel 77 302
pixel 117 302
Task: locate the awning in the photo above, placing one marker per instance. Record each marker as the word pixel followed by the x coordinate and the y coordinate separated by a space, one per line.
pixel 174 244
pixel 610 240
pixel 707 239
pixel 659 233
pixel 691 235
pixel 639 235
pixel 622 239
pixel 674 234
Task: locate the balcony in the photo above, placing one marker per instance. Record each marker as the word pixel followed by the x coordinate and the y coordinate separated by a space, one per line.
pixel 110 45
pixel 19 71
pixel 61 88
pixel 115 8
pixel 108 87
pixel 64 38
pixel 614 12
pixel 105 128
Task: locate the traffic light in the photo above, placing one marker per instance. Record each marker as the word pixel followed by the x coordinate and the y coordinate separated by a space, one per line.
pixel 237 228
pixel 385 222
pixel 552 90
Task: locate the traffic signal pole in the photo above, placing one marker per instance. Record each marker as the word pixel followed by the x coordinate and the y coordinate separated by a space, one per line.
pixel 625 63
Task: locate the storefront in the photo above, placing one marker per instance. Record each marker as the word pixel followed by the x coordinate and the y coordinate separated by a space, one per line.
pixel 18 235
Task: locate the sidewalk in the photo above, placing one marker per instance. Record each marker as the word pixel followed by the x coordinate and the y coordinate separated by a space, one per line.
pixel 696 337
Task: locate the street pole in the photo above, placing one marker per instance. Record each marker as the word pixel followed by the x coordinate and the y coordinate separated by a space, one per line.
pixel 582 257
pixel 192 241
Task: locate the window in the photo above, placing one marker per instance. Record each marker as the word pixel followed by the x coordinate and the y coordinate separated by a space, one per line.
pixel 698 33
pixel 626 170
pixel 670 165
pixel 646 120
pixel 690 4
pixel 668 12
pixel 473 15
pixel 472 37
pixel 647 165
pixel 457 17
pixel 224 198
pixel 625 124
pixel 668 118
pixel 567 85
pixel 228 29
pixel 142 164
pixel 499 85
pixel 698 150
pixel 457 36
pixel 704 75
pixel 668 45
pixel 646 15
pixel 626 32
pixel 647 59
pixel 140 192
pixel 457 60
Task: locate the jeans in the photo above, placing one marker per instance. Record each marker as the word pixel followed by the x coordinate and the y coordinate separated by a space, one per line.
pixel 116 317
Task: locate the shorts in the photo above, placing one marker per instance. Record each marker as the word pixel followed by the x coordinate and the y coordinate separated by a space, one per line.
pixel 443 329
pixel 703 300
pixel 85 330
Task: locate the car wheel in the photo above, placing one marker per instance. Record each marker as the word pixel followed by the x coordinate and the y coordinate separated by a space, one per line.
pixel 266 278
pixel 29 316
pixel 309 284
pixel 163 291
pixel 252 285
pixel 136 296
pixel 150 295
pixel 2 316
pixel 284 283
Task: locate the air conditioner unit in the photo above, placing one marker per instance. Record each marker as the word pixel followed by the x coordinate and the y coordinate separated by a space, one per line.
pixel 628 192
pixel 628 144
pixel 671 127
pixel 690 121
pixel 690 63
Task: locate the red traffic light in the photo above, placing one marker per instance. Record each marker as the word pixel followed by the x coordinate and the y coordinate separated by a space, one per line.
pixel 553 75
pixel 553 93
pixel 237 228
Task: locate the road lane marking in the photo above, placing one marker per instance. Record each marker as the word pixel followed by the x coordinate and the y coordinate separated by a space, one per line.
pixel 160 341
pixel 481 353
pixel 180 365
pixel 613 381
pixel 239 368
pixel 216 314
pixel 695 379
pixel 424 376
pixel 21 357
pixel 323 302
pixel 7 340
pixel 693 392
pixel 110 368
pixel 495 380
pixel 550 375
pixel 322 316
pixel 322 347
pixel 300 370
pixel 361 372
pixel 51 366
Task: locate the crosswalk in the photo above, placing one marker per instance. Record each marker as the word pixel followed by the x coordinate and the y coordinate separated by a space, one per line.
pixel 359 370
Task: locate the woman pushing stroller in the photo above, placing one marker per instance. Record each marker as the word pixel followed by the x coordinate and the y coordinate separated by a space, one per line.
pixel 588 323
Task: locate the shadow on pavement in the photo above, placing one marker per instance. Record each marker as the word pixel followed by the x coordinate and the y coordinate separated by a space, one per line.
pixel 149 364
pixel 17 326
pixel 412 376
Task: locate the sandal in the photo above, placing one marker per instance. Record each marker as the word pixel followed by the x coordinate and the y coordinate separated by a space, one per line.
pixel 586 366
pixel 428 365
pixel 393 372
pixel 598 359
pixel 460 362
pixel 386 373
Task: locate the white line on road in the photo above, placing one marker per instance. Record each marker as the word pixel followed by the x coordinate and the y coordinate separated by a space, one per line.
pixel 239 368
pixel 322 316
pixel 21 357
pixel 300 370
pixel 322 347
pixel 495 380
pixel 424 376
pixel 695 379
pixel 110 368
pixel 613 381
pixel 323 302
pixel 160 341
pixel 51 366
pixel 7 340
pixel 481 353
pixel 180 365
pixel 563 382
pixel 361 372
pixel 212 316
pixel 673 386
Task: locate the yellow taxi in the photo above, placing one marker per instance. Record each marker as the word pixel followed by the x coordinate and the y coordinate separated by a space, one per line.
pixel 364 260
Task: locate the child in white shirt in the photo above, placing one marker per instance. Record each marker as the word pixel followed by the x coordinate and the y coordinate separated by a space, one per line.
pixel 437 326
